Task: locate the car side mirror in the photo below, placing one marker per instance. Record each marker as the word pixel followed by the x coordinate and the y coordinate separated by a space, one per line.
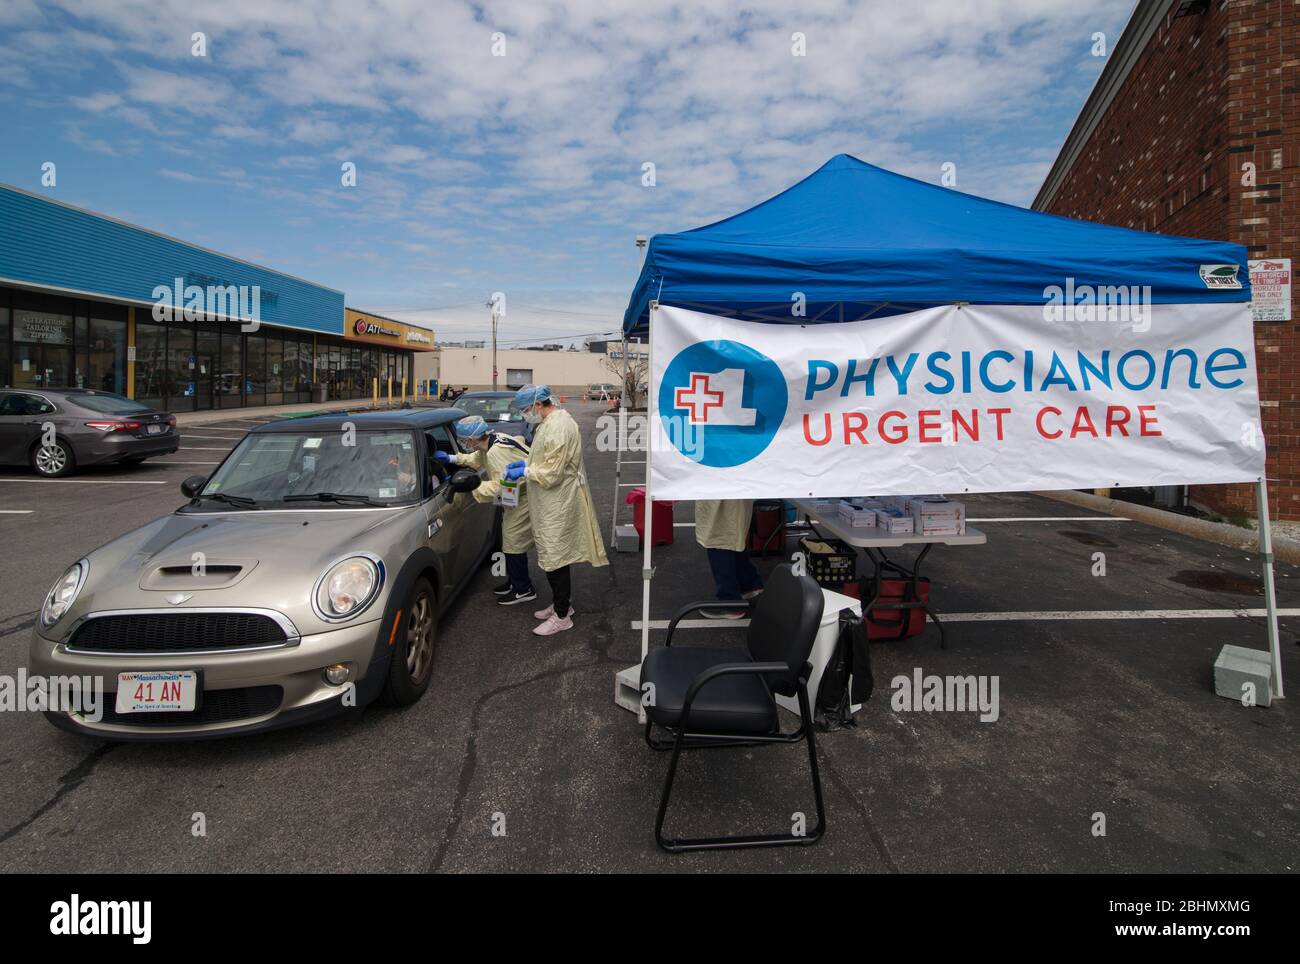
pixel 465 480
pixel 192 486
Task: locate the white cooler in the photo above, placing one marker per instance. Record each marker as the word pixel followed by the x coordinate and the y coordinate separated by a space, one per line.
pixel 824 647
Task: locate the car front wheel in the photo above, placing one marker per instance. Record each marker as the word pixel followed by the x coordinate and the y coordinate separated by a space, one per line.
pixel 53 460
pixel 411 667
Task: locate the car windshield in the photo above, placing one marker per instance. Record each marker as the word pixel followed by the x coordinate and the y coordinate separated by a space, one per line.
pixel 489 409
pixel 107 403
pixel 325 469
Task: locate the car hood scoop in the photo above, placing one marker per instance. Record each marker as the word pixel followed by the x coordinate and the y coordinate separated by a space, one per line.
pixel 188 575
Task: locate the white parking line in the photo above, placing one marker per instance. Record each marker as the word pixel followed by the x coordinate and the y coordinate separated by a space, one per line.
pixel 187 463
pixel 212 438
pixel 16 511
pixel 88 481
pixel 1073 614
pixel 1055 518
pixel 1061 615
pixel 205 448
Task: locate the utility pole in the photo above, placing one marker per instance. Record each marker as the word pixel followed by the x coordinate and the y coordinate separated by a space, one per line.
pixel 495 304
pixel 641 242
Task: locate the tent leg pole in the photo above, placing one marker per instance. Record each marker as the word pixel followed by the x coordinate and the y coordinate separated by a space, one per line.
pixel 1270 594
pixel 647 570
pixel 618 475
pixel 624 680
pixel 618 455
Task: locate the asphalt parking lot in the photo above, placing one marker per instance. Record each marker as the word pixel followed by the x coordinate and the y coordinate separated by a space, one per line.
pixel 1113 716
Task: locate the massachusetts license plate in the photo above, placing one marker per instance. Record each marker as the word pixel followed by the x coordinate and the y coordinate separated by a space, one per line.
pixel 157 691
pixel 153 429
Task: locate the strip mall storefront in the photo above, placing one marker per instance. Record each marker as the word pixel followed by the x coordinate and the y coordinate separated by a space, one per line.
pixel 80 306
pixel 382 348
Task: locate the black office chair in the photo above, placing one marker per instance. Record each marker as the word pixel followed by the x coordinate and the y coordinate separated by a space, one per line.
pixel 711 697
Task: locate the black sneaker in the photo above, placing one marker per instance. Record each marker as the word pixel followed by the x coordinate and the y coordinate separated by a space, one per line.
pixel 510 598
pixel 502 590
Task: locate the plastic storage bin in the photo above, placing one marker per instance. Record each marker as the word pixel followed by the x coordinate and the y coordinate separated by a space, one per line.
pixel 767 529
pixel 830 568
pixel 661 520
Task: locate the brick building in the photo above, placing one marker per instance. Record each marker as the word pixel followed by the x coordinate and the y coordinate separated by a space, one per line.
pixel 1193 128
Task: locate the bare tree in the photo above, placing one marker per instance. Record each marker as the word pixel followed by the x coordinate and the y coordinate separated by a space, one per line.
pixel 637 370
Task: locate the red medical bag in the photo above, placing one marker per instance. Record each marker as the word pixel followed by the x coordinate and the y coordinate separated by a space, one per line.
pixel 892 624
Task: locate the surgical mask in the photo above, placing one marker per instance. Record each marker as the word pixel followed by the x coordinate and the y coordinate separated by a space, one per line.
pixel 532 417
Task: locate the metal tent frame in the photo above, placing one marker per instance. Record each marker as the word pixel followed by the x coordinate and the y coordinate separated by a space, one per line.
pixel 627 681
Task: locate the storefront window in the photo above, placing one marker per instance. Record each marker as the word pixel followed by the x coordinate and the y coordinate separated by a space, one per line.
pixel 369 369
pixel 181 366
pixel 274 371
pixel 255 370
pixel 207 353
pixel 79 350
pixel 4 338
pixel 150 357
pixel 229 383
pixel 106 355
pixel 332 353
pixel 43 340
pixel 306 364
pixel 289 373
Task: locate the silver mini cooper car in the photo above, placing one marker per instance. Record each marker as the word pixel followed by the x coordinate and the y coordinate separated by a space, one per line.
pixel 305 577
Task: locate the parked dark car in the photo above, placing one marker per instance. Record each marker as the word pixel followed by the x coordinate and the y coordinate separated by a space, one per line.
pixel 56 430
pixel 495 409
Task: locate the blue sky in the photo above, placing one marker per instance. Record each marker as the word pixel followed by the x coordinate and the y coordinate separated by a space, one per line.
pixel 519 173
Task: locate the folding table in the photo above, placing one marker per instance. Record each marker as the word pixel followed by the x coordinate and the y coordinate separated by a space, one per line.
pixel 873 540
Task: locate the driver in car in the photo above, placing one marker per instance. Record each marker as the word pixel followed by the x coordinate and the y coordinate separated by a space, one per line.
pixel 401 466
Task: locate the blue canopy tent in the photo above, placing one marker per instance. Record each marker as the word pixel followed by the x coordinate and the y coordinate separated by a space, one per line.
pixel 855 241
pixel 859 241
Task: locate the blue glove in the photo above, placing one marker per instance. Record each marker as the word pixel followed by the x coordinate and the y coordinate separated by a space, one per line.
pixel 516 470
pixel 442 456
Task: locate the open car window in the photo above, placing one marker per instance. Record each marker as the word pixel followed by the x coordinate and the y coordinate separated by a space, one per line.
pixel 440 439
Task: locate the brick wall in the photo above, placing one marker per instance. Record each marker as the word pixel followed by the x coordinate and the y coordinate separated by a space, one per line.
pixel 1212 94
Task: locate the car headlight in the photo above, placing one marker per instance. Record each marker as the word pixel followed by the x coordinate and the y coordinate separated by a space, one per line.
pixel 60 599
pixel 348 587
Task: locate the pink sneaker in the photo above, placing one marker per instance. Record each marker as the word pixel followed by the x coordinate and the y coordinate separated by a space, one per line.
pixel 553 625
pixel 549 611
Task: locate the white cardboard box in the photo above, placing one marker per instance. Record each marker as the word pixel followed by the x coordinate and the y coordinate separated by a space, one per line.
pixel 857 516
pixel 937 516
pixel 895 522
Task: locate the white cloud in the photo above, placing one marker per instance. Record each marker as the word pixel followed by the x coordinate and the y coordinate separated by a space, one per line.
pixel 460 151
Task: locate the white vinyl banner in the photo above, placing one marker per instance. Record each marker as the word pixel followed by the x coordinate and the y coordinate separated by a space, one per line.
pixel 953 399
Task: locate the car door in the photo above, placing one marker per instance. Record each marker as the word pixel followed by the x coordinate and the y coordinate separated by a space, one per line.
pixel 20 425
pixel 447 515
